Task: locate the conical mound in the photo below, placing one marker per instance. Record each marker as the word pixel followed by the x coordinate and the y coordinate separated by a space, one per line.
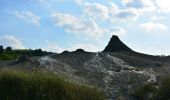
pixel 116 45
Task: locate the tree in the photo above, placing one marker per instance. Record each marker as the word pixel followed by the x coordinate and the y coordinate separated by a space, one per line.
pixel 9 49
pixel 1 49
pixel 40 53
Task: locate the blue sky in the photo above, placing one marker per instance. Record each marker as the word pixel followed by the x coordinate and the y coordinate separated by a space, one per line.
pixel 58 25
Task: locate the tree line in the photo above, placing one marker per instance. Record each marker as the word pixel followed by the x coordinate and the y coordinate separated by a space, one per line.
pixel 2 50
pixel 28 52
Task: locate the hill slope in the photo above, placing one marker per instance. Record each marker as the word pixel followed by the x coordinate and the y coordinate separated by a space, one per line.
pixel 118 73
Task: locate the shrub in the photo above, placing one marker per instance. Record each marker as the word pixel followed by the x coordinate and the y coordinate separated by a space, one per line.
pixel 146 92
pixel 1 49
pixel 6 56
pixel 164 90
pixel 150 92
pixel 9 49
pixel 23 58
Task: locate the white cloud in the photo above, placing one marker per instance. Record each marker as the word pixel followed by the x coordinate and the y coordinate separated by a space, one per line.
pixel 163 5
pixel 112 12
pixel 140 5
pixel 123 15
pixel 117 31
pixel 48 3
pixel 150 26
pixel 114 7
pixel 119 14
pixel 152 50
pixel 78 25
pixel 96 10
pixel 89 27
pixel 10 40
pixel 86 47
pixel 157 18
pixel 126 1
pixel 28 16
pixel 79 2
pixel 54 47
pixel 126 14
pixel 43 2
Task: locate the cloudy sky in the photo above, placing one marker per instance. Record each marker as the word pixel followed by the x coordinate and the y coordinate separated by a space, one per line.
pixel 57 25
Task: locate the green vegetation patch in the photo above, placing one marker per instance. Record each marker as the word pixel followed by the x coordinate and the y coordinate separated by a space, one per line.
pixel 8 56
pixel 152 92
pixel 19 85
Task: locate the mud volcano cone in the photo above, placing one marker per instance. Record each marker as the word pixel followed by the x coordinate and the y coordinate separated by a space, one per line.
pixel 116 45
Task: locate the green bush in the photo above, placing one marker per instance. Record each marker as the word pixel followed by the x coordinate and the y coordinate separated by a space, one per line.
pixel 164 90
pixel 6 56
pixel 18 85
pixel 14 54
pixel 151 92
pixel 146 92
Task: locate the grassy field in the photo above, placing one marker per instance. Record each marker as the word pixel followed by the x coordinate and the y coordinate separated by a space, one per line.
pixel 19 85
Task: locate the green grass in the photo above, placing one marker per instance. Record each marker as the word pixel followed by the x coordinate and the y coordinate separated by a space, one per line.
pixel 19 85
